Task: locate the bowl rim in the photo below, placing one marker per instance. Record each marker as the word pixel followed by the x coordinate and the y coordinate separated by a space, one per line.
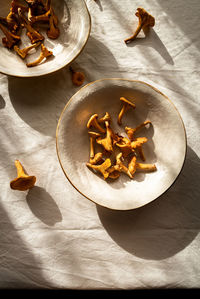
pixel 66 64
pixel 119 79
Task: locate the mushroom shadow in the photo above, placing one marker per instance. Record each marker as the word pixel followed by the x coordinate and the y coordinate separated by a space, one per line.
pixel 165 226
pixel 43 206
pixel 2 102
pixel 98 2
pixel 152 40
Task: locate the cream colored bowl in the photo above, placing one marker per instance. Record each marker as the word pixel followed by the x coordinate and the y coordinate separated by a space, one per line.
pixel 166 146
pixel 74 24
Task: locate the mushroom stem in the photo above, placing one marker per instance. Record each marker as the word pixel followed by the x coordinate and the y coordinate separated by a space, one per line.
pixel 23 181
pixel 53 32
pixel 107 142
pixel 93 136
pixel 126 106
pixel 146 167
pixel 121 113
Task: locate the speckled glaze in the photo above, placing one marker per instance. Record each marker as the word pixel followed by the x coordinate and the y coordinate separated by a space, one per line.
pixel 166 146
pixel 74 24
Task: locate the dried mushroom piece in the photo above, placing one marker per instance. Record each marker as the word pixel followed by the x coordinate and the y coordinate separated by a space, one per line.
pixel 121 167
pixel 145 21
pixel 131 131
pixel 132 165
pixel 24 52
pixel 43 54
pixel 138 142
pixel 107 142
pixel 102 168
pixel 23 181
pixel 11 22
pixel 146 167
pixel 10 38
pixel 77 77
pixel 105 118
pixel 93 122
pixel 93 136
pixel 15 4
pixel 126 106
pixel 98 157
pixel 53 32
pixel 125 146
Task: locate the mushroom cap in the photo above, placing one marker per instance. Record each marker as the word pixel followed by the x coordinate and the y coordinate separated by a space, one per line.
pixel 124 100
pixel 23 183
pixel 94 134
pixel 149 21
pixel 92 118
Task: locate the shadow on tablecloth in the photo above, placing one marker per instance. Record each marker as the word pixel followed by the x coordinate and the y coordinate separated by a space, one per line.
pixel 39 101
pixel 43 206
pixel 165 226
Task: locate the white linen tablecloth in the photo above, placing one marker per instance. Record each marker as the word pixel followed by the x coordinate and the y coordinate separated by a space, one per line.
pixel 51 236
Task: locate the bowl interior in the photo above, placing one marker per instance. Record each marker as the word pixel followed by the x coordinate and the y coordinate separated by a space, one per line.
pixel 74 25
pixel 166 144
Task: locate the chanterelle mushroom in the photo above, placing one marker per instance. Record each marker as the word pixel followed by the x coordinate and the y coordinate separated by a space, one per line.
pixel 77 77
pixel 132 165
pixel 93 136
pixel 121 167
pixel 145 20
pixel 53 32
pixel 93 122
pixel 102 168
pixel 24 52
pixel 125 146
pixel 10 39
pixel 23 181
pixel 43 54
pixel 131 131
pixel 11 22
pixel 107 142
pixel 126 106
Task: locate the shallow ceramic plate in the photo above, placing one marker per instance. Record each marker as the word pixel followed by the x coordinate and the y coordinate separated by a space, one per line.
pixel 166 146
pixel 74 24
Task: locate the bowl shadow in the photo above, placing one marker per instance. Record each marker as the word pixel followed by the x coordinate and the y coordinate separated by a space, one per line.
pixel 163 227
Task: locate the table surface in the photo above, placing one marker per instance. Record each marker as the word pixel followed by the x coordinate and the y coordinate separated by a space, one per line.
pixel 53 237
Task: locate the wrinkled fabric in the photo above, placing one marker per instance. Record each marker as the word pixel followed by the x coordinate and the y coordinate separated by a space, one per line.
pixel 51 236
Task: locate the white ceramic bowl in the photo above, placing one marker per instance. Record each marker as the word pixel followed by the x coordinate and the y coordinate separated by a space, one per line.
pixel 74 24
pixel 166 146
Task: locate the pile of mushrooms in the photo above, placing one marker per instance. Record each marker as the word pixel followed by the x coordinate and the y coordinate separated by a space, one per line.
pixel 25 14
pixel 119 154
